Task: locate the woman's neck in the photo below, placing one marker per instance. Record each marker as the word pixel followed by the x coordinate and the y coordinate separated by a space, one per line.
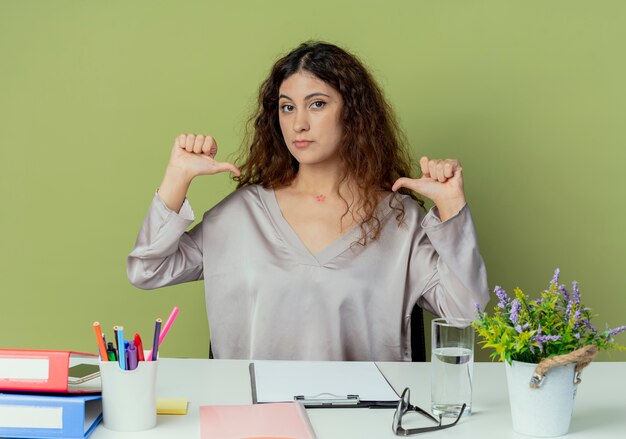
pixel 320 181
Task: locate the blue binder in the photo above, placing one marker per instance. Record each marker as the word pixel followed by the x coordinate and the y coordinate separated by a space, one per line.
pixel 48 416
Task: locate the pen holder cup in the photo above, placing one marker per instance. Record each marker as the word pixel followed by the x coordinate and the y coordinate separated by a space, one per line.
pixel 129 396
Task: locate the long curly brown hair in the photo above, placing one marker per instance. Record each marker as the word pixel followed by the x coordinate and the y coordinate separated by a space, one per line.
pixel 373 149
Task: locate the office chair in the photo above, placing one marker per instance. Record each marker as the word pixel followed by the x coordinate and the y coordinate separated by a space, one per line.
pixel 418 339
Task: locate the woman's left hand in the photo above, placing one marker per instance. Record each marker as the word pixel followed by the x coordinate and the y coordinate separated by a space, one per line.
pixel 442 182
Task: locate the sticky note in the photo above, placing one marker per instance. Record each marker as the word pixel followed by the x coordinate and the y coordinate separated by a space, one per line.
pixel 172 406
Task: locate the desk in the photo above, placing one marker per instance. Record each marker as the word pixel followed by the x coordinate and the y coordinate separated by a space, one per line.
pixel 599 411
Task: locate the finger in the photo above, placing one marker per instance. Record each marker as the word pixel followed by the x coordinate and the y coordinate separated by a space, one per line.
pixel 456 166
pixel 424 166
pixel 402 182
pixel 180 141
pixel 448 169
pixel 197 144
pixel 226 167
pixel 432 169
pixel 209 147
pixel 441 171
pixel 189 142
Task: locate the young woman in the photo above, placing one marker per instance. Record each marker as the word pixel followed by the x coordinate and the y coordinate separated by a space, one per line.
pixel 322 251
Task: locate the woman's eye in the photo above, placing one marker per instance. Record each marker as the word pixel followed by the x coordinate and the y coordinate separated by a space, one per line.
pixel 318 104
pixel 287 108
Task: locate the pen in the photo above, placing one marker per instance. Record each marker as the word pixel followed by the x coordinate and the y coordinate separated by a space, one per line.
pixel 101 347
pixel 111 352
pixel 139 346
pixel 120 347
pixel 132 356
pixel 155 343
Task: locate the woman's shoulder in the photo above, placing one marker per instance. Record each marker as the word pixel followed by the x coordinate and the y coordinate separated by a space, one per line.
pixel 405 202
pixel 245 197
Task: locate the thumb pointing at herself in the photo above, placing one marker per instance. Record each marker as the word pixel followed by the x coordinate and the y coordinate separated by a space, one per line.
pixel 441 181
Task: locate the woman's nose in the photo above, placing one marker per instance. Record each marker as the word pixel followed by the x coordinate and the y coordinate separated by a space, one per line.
pixel 300 122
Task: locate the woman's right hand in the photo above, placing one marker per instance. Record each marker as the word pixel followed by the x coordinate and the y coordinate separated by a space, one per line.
pixel 193 155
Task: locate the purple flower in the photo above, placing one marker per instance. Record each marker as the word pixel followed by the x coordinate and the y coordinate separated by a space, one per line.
pixel 568 310
pixel 575 293
pixel 577 335
pixel 617 330
pixel 589 326
pixel 541 339
pixel 519 329
pixel 502 297
pixel 547 338
pixel 515 309
pixel 555 278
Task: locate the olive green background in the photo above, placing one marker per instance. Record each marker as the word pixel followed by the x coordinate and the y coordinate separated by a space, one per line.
pixel 530 96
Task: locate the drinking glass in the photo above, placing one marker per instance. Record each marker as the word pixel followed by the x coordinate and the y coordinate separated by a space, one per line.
pixel 452 364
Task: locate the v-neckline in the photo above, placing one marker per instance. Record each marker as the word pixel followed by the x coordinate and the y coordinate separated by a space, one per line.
pixel 293 240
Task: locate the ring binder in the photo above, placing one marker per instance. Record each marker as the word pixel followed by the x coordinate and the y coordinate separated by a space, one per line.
pixel 35 370
pixel 328 400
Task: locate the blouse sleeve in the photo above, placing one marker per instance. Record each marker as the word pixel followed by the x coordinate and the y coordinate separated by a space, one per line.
pixel 457 282
pixel 165 254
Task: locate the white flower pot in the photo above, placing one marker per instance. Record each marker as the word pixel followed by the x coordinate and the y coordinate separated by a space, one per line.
pixel 547 410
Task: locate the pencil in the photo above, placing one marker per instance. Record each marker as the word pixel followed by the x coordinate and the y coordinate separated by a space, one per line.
pixel 152 356
pixel 101 347
pixel 168 324
pixel 121 355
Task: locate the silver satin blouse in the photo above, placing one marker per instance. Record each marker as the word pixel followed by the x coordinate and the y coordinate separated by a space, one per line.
pixel 268 297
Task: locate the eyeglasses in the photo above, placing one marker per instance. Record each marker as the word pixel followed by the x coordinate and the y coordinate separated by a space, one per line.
pixel 405 406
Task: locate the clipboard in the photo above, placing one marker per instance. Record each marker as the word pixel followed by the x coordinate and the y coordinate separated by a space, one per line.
pixel 321 384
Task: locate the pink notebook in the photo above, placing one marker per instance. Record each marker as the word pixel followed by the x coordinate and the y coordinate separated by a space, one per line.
pixel 284 420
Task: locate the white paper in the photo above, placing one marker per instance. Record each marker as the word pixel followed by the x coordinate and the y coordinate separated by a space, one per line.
pixel 280 381
pixel 19 416
pixel 24 368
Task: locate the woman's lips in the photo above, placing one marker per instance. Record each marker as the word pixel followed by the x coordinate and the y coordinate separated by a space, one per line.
pixel 302 143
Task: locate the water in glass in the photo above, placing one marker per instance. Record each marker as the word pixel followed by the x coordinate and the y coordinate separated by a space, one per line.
pixel 451 380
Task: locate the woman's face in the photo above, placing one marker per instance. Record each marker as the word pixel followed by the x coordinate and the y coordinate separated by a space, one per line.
pixel 310 118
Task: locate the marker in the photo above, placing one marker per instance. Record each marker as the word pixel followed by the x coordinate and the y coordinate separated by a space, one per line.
pixel 120 347
pixel 111 352
pixel 101 347
pixel 155 343
pixel 117 345
pixel 132 356
pixel 139 346
pixel 126 345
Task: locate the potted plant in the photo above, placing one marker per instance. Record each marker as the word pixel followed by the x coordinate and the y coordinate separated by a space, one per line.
pixel 550 337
